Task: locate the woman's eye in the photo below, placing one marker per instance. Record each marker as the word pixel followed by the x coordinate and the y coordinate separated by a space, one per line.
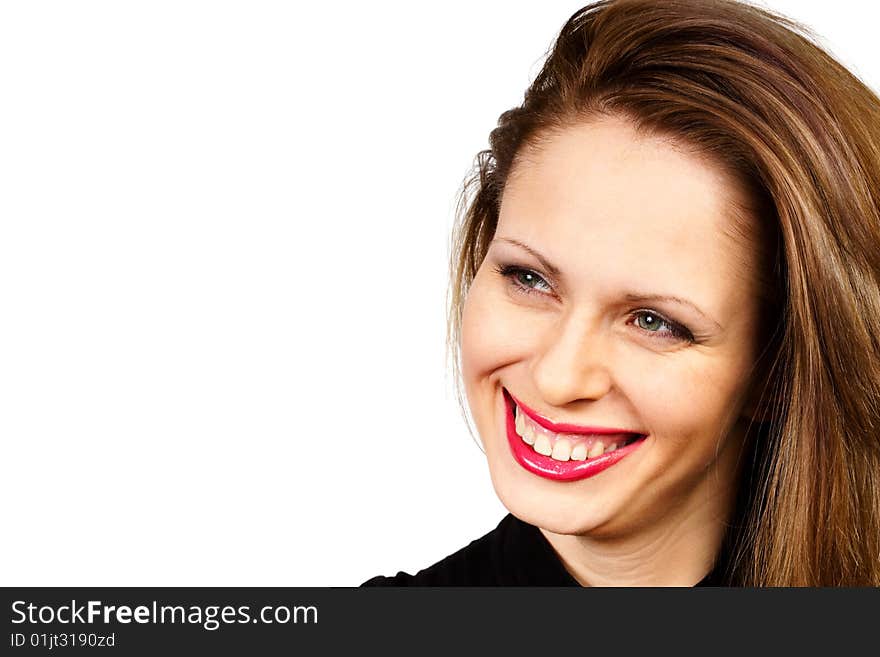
pixel 649 321
pixel 524 280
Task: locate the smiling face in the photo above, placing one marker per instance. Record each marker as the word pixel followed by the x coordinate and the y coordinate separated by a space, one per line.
pixel 617 216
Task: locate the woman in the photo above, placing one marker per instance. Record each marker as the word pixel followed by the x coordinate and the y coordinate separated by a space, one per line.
pixel 665 310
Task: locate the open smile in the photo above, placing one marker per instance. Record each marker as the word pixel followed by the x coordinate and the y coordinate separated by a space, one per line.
pixel 563 452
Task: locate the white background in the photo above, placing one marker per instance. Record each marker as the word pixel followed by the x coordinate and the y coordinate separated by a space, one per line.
pixel 223 255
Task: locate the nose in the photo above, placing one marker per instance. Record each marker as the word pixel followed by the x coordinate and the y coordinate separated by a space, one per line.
pixel 572 362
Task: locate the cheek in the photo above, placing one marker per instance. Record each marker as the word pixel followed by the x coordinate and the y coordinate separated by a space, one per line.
pixel 691 403
pixel 487 339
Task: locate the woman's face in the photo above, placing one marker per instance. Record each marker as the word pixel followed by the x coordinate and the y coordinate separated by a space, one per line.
pixel 623 221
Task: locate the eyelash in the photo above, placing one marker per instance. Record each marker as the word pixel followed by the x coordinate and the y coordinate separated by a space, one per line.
pixel 675 330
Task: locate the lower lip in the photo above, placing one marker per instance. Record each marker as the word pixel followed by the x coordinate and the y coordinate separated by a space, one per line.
pixel 544 466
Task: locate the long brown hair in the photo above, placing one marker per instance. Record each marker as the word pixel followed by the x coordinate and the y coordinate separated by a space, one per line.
pixel 751 91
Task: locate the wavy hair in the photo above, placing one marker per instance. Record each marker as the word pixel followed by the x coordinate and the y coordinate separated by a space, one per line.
pixel 753 92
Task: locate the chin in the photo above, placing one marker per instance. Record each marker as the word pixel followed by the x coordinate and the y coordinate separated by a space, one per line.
pixel 552 510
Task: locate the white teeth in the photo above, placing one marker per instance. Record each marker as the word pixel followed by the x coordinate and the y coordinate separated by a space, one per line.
pixel 542 445
pixel 596 450
pixel 526 431
pixel 529 435
pixel 566 448
pixel 561 450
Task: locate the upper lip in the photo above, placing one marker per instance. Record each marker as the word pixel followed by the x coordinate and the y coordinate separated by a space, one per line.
pixel 563 427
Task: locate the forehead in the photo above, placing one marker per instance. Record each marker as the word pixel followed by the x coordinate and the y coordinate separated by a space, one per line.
pixel 608 204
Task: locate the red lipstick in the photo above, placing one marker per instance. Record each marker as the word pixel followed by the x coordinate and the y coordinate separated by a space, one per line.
pixel 564 428
pixel 554 469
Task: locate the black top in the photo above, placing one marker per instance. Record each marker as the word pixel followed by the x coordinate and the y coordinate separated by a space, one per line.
pixel 515 553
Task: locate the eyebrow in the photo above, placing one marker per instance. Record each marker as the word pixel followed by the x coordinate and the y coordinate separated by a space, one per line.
pixel 549 266
pixel 554 271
